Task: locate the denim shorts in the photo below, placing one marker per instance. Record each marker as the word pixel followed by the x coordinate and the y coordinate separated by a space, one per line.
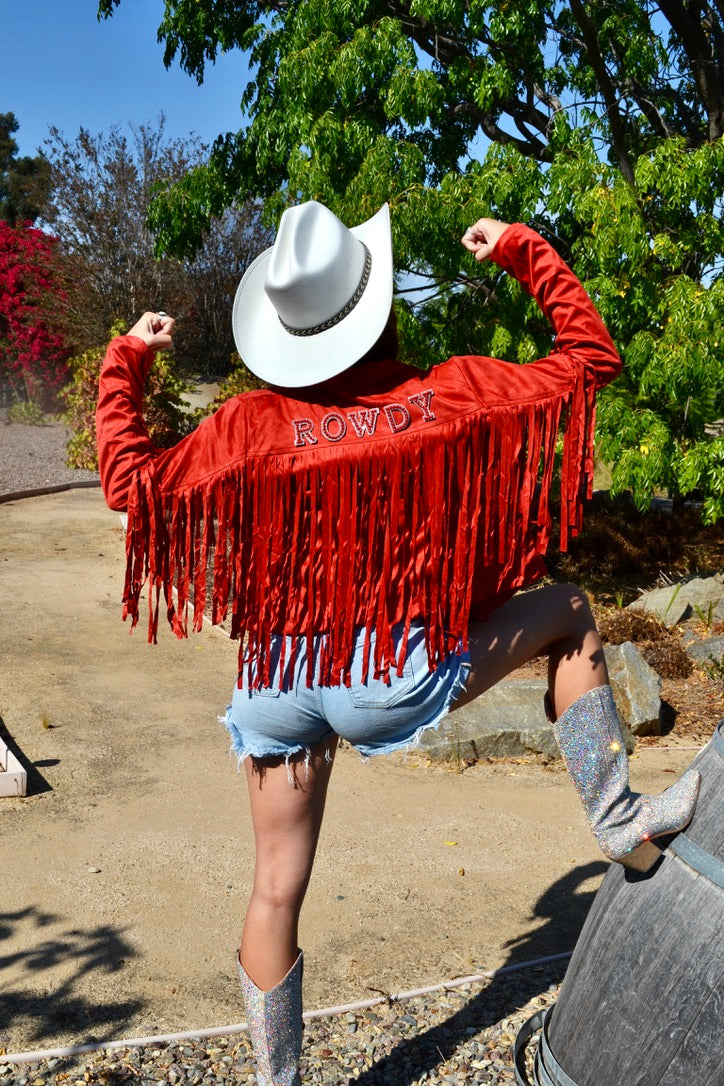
pixel 376 717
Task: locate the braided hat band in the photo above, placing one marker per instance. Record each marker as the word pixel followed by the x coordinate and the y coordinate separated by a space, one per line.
pixel 344 311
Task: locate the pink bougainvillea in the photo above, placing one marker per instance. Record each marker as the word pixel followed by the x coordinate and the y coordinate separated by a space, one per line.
pixel 32 348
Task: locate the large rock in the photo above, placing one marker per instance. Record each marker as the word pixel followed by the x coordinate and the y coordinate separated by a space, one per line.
pixel 709 652
pixel 692 596
pixel 636 689
pixel 509 720
pixel 506 721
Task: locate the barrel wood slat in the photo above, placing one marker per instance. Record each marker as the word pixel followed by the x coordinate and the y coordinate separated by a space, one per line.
pixel 642 1002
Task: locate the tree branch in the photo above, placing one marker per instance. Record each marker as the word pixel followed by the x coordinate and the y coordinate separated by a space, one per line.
pixel 529 148
pixel 615 120
pixel 705 57
pixel 445 49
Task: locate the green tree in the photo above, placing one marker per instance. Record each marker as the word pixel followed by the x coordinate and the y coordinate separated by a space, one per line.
pixel 23 181
pixel 601 123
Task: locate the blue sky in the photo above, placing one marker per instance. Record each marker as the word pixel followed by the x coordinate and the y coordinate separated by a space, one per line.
pixel 61 67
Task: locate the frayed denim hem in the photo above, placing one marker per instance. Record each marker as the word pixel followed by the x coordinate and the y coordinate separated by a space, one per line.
pixel 273 726
pixel 242 751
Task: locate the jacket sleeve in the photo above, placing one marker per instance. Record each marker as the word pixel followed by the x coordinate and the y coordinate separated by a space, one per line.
pixel 124 444
pixel 580 334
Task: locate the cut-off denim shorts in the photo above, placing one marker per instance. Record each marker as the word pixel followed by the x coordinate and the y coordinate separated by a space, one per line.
pixel 375 717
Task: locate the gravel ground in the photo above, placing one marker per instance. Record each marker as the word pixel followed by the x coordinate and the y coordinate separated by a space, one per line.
pixel 33 457
pixel 457 1036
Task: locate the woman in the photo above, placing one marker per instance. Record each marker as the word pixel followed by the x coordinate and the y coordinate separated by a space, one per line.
pixel 371 525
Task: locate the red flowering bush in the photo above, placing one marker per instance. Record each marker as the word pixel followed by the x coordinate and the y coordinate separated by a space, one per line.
pixel 32 348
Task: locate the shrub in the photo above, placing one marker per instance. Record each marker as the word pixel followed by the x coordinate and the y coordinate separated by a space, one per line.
pixel 32 348
pixel 27 412
pixel 163 407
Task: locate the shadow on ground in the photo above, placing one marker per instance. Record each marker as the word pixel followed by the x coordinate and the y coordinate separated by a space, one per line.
pixel 48 1013
pixel 564 908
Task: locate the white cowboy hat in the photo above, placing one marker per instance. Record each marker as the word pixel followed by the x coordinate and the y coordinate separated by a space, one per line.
pixel 314 304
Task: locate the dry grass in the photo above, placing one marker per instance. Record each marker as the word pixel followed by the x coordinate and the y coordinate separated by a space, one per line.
pixel 661 648
pixel 621 552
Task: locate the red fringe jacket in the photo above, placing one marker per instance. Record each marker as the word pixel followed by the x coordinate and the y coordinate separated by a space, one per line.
pixel 380 496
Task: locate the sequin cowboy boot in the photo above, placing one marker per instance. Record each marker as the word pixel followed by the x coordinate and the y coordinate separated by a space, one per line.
pixel 275 1026
pixel 625 823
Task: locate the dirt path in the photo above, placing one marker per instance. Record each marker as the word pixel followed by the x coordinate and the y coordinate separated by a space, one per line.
pixel 125 871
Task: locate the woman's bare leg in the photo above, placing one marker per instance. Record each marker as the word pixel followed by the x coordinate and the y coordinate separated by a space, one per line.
pixel 287 817
pixel 555 620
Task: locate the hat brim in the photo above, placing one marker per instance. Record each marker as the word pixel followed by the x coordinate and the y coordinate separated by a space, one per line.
pixel 281 358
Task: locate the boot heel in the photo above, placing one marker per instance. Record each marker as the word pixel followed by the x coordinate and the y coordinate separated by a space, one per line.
pixel 642 858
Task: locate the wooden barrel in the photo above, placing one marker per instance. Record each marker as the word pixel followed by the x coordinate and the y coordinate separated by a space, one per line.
pixel 642 1001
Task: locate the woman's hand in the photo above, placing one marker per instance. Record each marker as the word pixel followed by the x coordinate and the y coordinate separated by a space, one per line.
pixel 155 329
pixel 481 238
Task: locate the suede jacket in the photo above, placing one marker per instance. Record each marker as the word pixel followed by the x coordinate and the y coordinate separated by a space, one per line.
pixel 383 495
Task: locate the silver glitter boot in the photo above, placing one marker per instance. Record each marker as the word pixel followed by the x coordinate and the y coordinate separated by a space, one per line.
pixel 275 1025
pixel 624 823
